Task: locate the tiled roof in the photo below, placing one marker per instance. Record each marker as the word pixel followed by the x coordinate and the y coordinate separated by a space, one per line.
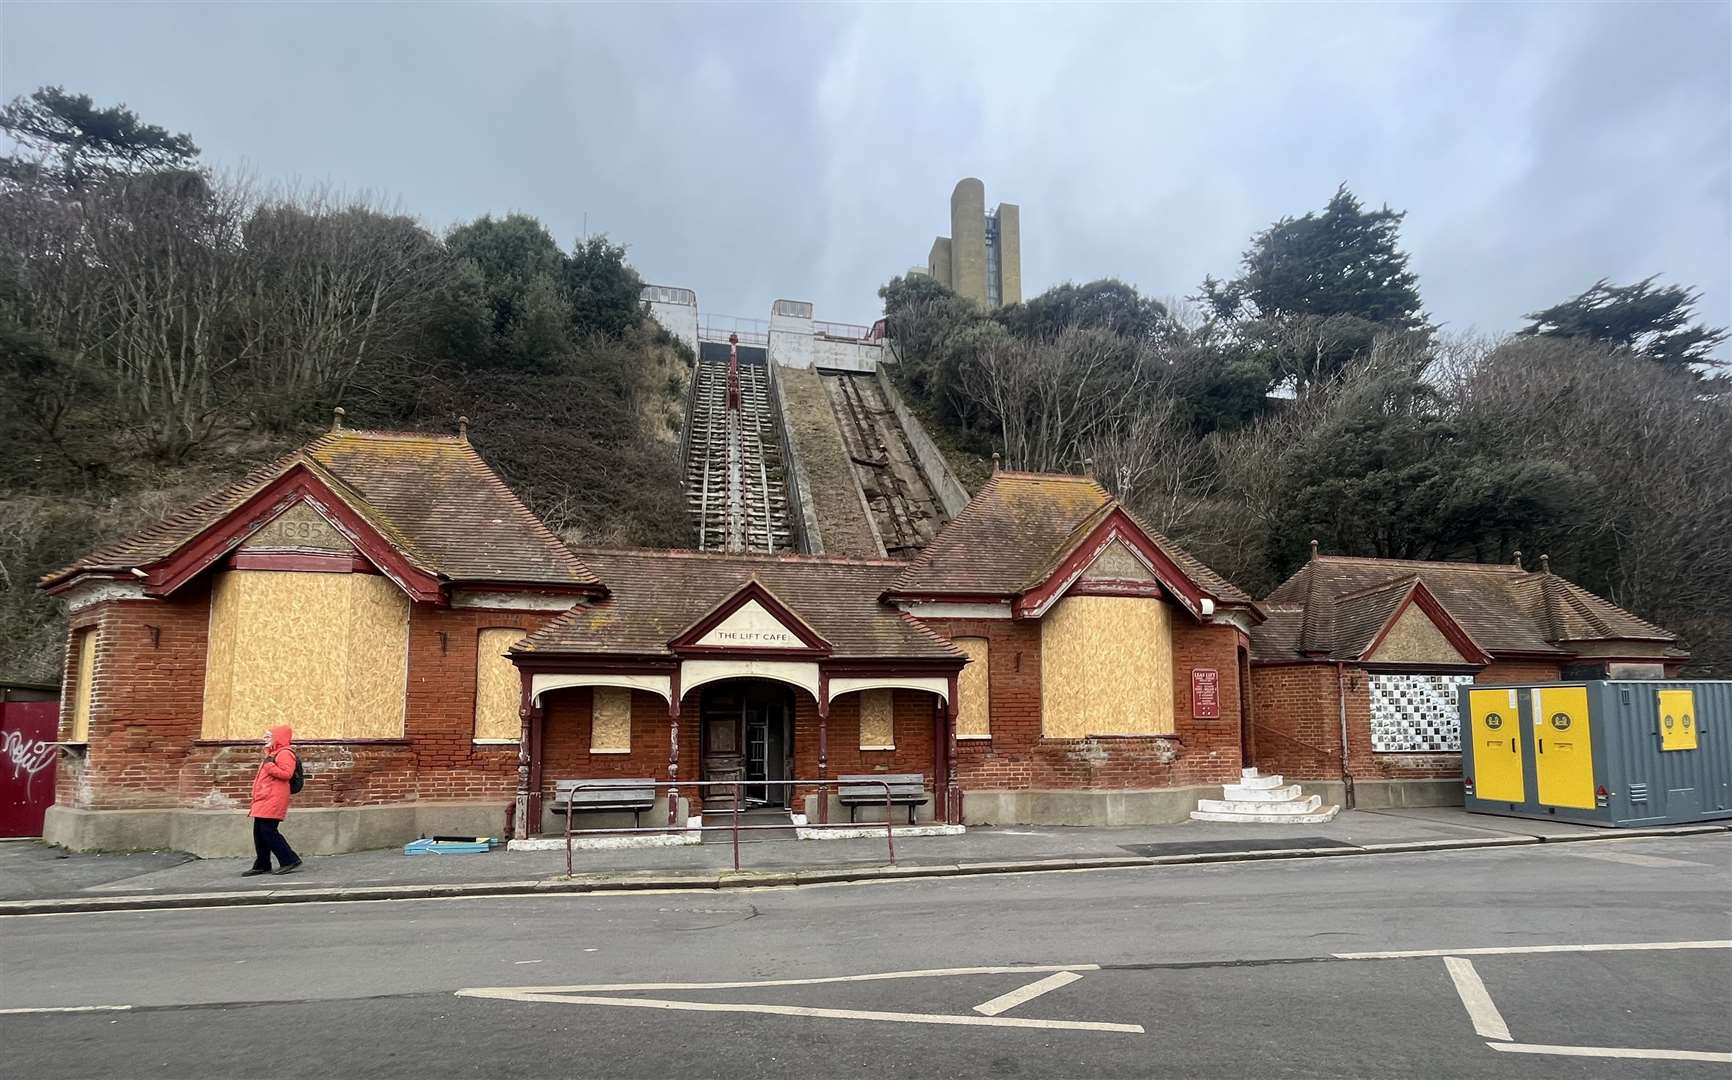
pixel 1334 605
pixel 430 496
pixel 655 595
pixel 1018 528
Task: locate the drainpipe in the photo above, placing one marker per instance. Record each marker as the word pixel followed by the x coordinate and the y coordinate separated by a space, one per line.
pixel 1347 799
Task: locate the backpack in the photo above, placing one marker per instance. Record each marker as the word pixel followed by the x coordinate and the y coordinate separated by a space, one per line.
pixel 298 780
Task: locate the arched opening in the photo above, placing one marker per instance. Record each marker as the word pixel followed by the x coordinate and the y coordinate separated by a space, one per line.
pixel 746 733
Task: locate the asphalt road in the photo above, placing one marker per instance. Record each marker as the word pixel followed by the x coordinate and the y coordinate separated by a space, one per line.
pixel 1203 971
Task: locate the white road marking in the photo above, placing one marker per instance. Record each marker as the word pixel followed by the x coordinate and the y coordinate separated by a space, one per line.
pixel 1519 950
pixel 1488 1023
pixel 924 973
pixel 1631 858
pixel 526 961
pixel 1007 1002
pixel 1611 1052
pixel 66 1009
pixel 510 994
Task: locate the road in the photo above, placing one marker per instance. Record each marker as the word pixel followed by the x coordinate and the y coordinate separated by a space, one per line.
pixel 1202 971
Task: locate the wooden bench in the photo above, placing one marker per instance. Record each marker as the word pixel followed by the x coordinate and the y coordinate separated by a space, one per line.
pixel 575 795
pixel 906 789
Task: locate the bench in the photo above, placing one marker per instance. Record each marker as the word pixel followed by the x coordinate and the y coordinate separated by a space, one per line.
pixel 634 795
pixel 906 789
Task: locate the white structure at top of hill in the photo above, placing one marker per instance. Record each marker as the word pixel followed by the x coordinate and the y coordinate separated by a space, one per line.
pixel 791 335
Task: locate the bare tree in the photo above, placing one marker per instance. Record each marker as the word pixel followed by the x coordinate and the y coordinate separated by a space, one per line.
pixel 1051 396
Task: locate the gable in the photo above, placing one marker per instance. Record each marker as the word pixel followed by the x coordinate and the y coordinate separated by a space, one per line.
pixel 1117 562
pixel 1413 638
pixel 751 626
pixel 299 528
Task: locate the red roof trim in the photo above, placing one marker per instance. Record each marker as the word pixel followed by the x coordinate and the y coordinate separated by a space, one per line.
pixel 687 641
pixel 305 562
pixel 1457 636
pixel 298 483
pixel 1117 524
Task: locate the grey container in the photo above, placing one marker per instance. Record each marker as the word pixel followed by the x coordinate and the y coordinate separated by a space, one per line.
pixel 1632 768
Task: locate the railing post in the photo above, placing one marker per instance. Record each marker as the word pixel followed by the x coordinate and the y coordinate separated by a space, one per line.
pixel 568 836
pixel 736 826
pixel 889 830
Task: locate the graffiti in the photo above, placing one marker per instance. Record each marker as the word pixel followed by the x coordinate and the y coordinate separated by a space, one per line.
pixel 27 756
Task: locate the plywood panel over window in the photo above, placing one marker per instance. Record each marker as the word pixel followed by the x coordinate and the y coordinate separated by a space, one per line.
pixel 974 690
pixel 877 720
pixel 1106 667
pixel 83 672
pixel 610 720
pixel 324 653
pixel 498 686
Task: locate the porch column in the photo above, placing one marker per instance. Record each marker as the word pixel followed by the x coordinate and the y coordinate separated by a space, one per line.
pixel 674 756
pixel 952 792
pixel 528 805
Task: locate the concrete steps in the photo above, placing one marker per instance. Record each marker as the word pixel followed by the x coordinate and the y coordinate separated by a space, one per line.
pixel 1264 800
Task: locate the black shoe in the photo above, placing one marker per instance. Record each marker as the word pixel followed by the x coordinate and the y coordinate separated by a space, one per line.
pixel 255 871
pixel 289 869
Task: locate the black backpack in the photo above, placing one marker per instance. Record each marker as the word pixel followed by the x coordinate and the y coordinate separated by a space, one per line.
pixel 299 779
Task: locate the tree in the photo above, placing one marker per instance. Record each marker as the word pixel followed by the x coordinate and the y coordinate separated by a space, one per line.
pixel 1648 321
pixel 606 293
pixel 87 145
pixel 1344 261
pixel 1107 304
pixel 517 266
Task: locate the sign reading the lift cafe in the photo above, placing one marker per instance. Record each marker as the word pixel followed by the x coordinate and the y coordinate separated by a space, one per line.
pixel 751 627
pixel 1205 693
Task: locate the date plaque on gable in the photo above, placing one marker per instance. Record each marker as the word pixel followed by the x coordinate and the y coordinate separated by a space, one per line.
pixel 299 528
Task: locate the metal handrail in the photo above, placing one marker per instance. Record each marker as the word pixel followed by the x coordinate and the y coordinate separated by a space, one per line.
pixel 849 331
pixel 823 786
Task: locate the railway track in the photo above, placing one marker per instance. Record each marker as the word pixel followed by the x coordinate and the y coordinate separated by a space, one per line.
pixel 905 510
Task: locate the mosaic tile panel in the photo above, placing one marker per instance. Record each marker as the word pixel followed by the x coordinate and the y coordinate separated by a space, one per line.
pixel 1415 713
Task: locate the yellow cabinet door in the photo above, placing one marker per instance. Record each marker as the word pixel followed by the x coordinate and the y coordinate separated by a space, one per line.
pixel 1497 748
pixel 1563 753
pixel 1678 721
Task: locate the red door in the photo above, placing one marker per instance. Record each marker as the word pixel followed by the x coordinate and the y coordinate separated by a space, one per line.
pixel 28 730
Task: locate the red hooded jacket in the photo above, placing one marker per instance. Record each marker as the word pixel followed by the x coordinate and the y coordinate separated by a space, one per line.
pixel 271 785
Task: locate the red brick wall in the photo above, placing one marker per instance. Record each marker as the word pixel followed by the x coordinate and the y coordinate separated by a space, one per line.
pixel 1518 671
pixel 1017 756
pixel 914 720
pixel 147 707
pixel 565 742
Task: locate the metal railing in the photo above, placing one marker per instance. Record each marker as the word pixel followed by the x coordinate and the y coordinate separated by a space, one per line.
pixel 734 826
pixel 845 331
pixel 718 327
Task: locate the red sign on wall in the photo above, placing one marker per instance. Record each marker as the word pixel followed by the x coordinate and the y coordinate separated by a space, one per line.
pixel 1205 693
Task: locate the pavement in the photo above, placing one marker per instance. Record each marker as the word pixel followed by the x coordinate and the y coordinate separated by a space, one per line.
pixel 38 878
pixel 1592 960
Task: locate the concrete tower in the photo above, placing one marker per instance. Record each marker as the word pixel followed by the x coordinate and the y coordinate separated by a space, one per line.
pixel 982 257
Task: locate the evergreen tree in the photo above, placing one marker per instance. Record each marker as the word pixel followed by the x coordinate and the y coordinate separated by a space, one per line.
pixel 79 145
pixel 1651 322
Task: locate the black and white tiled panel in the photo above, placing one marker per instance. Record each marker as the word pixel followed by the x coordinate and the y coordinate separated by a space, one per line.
pixel 1415 713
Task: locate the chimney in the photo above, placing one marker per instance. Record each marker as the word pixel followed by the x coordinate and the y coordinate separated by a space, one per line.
pixel 337 418
pixel 463 428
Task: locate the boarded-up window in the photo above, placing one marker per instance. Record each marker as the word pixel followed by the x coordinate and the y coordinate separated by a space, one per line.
pixel 610 720
pixel 323 653
pixel 973 690
pixel 1106 667
pixel 498 686
pixel 83 673
pixel 877 720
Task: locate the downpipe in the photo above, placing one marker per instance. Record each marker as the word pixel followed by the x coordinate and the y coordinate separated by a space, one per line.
pixel 1347 798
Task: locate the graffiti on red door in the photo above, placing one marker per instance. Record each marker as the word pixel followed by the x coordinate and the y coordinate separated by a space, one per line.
pixel 28 750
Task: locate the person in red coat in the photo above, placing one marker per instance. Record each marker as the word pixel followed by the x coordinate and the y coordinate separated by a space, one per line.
pixel 271 805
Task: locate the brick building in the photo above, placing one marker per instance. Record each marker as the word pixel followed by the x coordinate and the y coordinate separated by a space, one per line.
pixel 445 661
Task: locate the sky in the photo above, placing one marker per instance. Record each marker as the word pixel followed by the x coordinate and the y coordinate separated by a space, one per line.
pixel 808 152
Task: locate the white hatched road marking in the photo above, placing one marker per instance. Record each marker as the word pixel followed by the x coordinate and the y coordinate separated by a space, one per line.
pixel 1522 950
pixel 1487 1021
pixel 1060 975
pixel 1631 858
pixel 1611 1052
pixel 1006 1002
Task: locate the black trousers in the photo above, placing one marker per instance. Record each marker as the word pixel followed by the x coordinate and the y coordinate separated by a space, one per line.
pixel 267 841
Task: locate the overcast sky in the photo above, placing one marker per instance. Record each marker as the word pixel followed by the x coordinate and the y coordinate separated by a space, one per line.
pixel 752 153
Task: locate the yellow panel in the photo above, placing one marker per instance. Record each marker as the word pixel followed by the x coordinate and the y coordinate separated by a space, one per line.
pixel 1497 751
pixel 84 642
pixel 973 690
pixel 1678 719
pixel 877 720
pixel 498 686
pixel 1106 667
pixel 378 657
pixel 610 720
pixel 1563 753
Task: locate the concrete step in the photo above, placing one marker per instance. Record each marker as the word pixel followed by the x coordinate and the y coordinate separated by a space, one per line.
pixel 1281 810
pixel 1249 773
pixel 1317 817
pixel 1241 793
pixel 1261 782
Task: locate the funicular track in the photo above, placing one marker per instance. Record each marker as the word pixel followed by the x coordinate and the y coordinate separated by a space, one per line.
pixel 763 509
pixel 905 509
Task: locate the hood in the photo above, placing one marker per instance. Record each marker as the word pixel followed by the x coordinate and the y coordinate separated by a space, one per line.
pixel 280 735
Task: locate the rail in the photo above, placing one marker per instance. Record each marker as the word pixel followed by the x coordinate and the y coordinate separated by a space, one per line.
pixel 734 826
pixel 846 331
pixel 716 328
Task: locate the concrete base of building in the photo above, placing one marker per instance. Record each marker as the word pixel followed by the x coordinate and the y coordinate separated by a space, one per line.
pixel 1156 806
pixel 1387 794
pixel 217 834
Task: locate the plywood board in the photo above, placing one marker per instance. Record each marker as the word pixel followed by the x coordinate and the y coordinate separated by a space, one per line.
pixel 84 671
pixel 974 690
pixel 877 720
pixel 610 720
pixel 378 657
pixel 498 686
pixel 1106 667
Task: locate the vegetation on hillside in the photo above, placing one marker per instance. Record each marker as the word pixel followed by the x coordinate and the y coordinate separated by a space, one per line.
pixel 1309 397
pixel 164 329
